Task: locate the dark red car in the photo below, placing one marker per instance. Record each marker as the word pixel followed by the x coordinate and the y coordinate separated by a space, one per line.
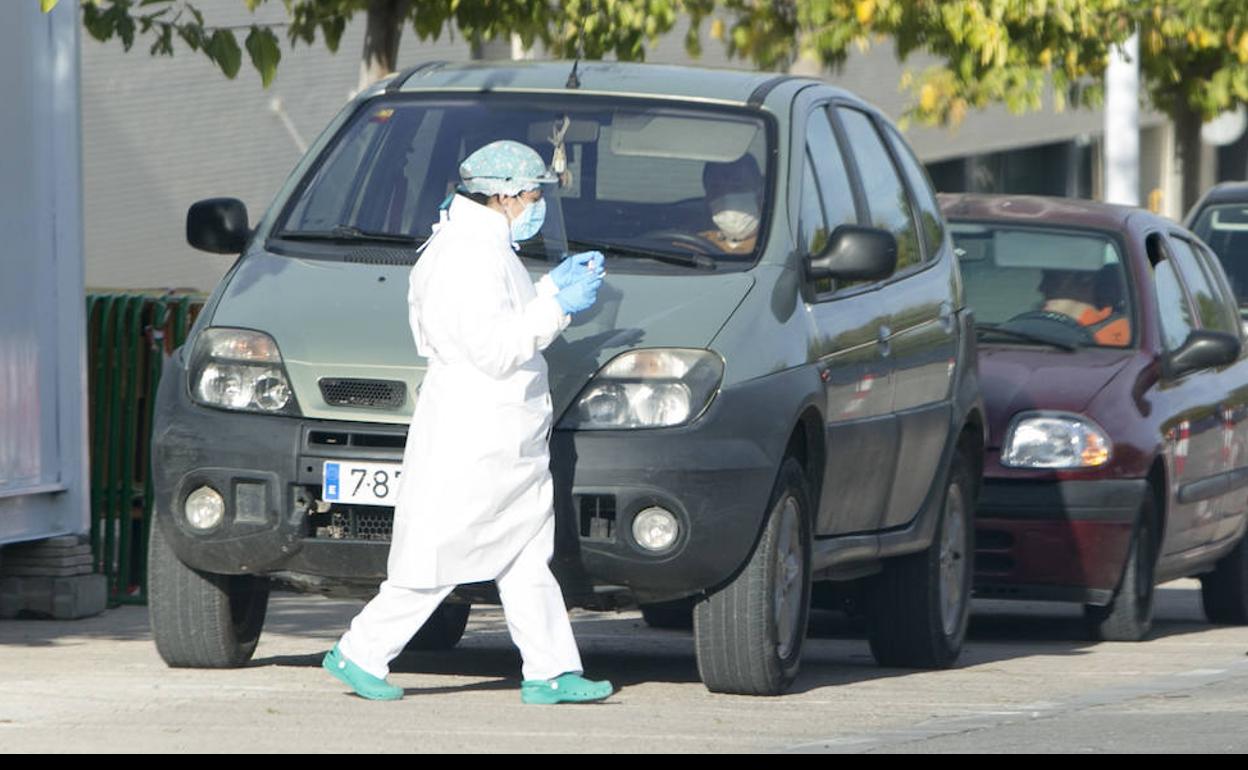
pixel 1112 364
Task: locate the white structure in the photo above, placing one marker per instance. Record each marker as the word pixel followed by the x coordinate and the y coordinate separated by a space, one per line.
pixel 43 405
pixel 1122 125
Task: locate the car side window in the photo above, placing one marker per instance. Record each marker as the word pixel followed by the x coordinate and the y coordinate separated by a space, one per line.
pixel 812 228
pixel 1211 306
pixel 933 224
pixel 834 187
pixel 887 199
pixel 1174 311
pixel 1219 279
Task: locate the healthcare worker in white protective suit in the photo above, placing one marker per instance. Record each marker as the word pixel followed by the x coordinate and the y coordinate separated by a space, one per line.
pixel 476 500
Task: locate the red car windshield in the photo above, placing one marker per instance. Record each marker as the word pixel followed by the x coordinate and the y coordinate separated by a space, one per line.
pixel 1043 281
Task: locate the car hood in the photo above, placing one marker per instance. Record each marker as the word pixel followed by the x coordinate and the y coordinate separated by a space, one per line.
pixel 336 319
pixel 1016 380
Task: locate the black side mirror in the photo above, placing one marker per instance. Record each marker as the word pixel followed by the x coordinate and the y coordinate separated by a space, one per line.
pixel 1204 350
pixel 218 225
pixel 855 253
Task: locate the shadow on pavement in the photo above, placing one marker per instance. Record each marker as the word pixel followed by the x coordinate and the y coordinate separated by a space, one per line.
pixel 622 648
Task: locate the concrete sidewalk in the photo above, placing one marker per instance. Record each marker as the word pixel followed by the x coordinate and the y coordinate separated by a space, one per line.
pixel 1027 682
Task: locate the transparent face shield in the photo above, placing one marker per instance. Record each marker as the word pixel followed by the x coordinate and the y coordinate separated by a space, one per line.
pixel 551 241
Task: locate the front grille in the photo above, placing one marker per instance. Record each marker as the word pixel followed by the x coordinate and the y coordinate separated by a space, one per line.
pixel 361 522
pixel 370 394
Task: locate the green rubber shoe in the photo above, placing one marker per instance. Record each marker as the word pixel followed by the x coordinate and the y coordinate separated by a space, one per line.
pixel 363 683
pixel 568 688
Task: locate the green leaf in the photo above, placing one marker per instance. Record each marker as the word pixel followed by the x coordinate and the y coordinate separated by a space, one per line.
pixel 265 53
pixel 47 5
pixel 192 35
pixel 223 49
pixel 332 29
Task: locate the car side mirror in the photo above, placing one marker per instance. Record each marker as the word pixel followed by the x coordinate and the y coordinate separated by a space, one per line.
pixel 1204 350
pixel 855 253
pixel 218 225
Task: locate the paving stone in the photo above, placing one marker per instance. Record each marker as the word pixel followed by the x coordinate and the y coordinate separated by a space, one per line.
pixel 59 598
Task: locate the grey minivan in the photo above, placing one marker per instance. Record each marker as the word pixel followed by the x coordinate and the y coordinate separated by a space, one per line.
pixel 735 419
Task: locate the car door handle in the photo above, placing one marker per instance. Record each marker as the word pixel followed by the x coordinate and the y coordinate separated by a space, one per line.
pixel 883 336
pixel 946 317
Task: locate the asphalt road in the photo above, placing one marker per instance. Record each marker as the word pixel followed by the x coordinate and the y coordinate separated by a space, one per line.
pixel 1027 682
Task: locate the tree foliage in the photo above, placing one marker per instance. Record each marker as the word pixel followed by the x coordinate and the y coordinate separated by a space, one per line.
pixel 592 29
pixel 1193 53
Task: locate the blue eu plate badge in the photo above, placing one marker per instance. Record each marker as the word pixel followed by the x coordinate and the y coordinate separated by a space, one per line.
pixel 331 481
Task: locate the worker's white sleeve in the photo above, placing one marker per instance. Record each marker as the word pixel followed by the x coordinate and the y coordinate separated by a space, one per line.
pixel 546 287
pixel 482 324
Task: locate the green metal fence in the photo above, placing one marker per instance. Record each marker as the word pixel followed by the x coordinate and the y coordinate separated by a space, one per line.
pixel 128 337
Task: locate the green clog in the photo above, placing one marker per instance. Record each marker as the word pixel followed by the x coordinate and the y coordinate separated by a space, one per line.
pixel 363 683
pixel 568 688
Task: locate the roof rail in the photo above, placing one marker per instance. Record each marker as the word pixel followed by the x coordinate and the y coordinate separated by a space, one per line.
pixel 396 85
pixel 760 94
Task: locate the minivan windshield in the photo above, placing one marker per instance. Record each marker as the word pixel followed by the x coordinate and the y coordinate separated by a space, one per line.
pixel 1225 229
pixel 1044 286
pixel 664 187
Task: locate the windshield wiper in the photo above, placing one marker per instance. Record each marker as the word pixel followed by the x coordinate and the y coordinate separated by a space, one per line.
pixel 700 261
pixel 1028 336
pixel 349 234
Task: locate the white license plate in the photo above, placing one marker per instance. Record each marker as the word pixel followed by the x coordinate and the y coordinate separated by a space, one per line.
pixel 361 483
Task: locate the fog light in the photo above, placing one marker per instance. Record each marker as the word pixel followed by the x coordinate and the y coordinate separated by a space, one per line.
pixel 655 529
pixel 205 508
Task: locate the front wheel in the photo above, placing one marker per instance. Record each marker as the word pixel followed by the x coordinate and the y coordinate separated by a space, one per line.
pixel 749 634
pixel 1129 617
pixel 918 608
pixel 201 619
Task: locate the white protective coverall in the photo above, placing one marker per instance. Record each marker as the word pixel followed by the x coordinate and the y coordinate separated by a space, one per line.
pixel 476 499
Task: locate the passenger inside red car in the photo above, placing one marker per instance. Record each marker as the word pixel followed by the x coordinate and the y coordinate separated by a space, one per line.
pixel 1094 299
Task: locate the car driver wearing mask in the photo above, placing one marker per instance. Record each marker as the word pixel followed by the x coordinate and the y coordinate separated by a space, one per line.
pixel 734 195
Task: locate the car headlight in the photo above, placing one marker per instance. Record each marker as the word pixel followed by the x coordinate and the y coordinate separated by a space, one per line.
pixel 1055 441
pixel 242 370
pixel 659 388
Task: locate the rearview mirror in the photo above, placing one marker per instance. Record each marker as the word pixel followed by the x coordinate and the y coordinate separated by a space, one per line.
pixel 855 253
pixel 1204 350
pixel 218 225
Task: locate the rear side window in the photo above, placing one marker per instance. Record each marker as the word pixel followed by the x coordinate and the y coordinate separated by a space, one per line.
pixel 1173 309
pixel 1211 306
pixel 889 203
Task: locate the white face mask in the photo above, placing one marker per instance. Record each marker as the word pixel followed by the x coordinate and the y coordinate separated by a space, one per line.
pixel 736 215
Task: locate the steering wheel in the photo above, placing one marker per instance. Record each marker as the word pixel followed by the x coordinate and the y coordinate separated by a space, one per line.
pixel 1061 319
pixel 699 244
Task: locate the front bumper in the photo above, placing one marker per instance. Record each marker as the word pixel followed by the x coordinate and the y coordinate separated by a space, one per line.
pixel 716 476
pixel 1054 540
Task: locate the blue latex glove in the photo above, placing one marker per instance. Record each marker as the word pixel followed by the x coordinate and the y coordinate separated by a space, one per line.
pixel 577 265
pixel 580 294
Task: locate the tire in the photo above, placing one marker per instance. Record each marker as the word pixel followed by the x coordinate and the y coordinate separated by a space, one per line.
pixel 443 630
pixel 200 619
pixel 918 608
pixel 749 634
pixel 671 616
pixel 1129 617
pixel 1224 592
